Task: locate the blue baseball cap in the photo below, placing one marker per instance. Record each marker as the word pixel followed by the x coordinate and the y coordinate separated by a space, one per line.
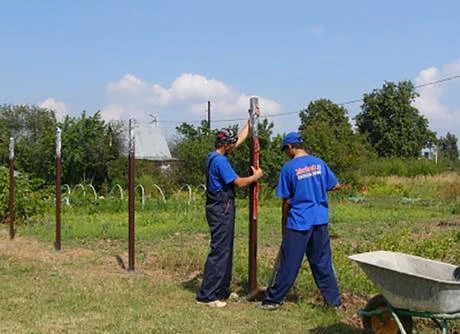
pixel 291 138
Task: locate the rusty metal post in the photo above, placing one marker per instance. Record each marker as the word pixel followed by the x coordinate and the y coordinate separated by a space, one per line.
pixel 131 196
pixel 57 244
pixel 11 216
pixel 253 196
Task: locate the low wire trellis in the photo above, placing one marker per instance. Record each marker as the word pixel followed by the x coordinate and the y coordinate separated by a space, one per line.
pixel 90 186
pixel 141 187
pixel 117 186
pixel 80 186
pixel 202 187
pixel 66 186
pixel 66 198
pixel 161 192
pixel 187 186
pixel 200 190
pixel 191 193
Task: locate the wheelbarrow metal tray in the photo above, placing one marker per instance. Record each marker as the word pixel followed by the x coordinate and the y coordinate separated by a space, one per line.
pixel 411 282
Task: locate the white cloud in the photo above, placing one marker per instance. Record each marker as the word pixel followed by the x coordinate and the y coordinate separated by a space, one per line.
pixel 128 84
pixel 112 112
pixel 59 107
pixel 185 99
pixel 439 103
pixel 197 86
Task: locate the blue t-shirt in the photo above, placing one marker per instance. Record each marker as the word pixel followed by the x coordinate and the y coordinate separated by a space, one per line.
pixel 305 181
pixel 220 172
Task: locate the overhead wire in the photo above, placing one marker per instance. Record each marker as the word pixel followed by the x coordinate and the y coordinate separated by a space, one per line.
pixel 431 83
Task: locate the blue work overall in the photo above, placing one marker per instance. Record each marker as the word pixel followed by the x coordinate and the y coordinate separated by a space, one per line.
pixel 220 214
pixel 316 245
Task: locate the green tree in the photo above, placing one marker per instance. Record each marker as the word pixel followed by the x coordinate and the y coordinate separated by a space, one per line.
pixel 194 143
pixel 187 131
pixel 271 157
pixel 328 134
pixel 34 131
pixel 191 148
pixel 448 148
pixel 89 147
pixel 391 124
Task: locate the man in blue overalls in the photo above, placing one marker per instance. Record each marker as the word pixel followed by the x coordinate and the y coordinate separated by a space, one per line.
pixel 220 214
pixel 303 185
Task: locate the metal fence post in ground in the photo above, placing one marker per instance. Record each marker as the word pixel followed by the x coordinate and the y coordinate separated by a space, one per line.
pixel 131 196
pixel 11 216
pixel 57 244
pixel 253 197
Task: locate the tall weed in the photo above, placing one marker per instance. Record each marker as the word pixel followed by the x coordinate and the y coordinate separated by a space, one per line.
pixel 401 167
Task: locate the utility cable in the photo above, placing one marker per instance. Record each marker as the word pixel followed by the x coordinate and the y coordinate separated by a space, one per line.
pixel 431 83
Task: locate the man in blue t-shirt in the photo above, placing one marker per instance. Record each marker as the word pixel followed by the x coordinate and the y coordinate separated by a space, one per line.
pixel 220 214
pixel 303 185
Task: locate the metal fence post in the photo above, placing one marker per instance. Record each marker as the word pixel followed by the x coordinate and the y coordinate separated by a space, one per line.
pixel 57 243
pixel 11 216
pixel 253 196
pixel 131 196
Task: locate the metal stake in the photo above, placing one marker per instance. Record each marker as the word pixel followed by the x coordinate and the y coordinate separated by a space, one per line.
pixel 57 244
pixel 12 217
pixel 131 196
pixel 253 195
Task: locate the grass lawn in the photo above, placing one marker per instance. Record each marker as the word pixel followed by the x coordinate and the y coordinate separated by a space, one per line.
pixel 84 288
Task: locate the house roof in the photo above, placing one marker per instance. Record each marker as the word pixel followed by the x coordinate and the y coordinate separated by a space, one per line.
pixel 150 142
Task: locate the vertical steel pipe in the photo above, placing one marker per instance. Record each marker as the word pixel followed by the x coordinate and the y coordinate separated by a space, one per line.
pixel 131 197
pixel 57 243
pixel 11 213
pixel 253 195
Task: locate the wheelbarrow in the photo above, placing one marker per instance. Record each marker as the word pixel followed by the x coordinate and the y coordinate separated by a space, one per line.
pixel 410 286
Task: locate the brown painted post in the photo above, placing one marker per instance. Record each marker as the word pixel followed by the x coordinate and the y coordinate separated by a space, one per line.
pixel 12 216
pixel 57 244
pixel 253 196
pixel 131 196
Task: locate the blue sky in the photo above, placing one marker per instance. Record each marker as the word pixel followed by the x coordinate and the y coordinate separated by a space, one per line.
pixel 169 57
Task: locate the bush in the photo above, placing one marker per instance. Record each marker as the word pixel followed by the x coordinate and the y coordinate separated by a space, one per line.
pixel 30 197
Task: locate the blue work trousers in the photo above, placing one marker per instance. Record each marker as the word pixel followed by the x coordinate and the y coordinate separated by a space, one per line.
pixel 315 244
pixel 220 213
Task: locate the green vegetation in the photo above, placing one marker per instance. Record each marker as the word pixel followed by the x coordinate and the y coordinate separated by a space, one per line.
pixel 85 289
pixel 327 133
pixel 448 148
pixel 392 199
pixel 91 148
pixel 391 125
pixel 390 134
pixel 30 197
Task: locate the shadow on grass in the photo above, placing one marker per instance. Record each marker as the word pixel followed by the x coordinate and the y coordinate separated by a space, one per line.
pixel 120 262
pixel 338 328
pixel 192 284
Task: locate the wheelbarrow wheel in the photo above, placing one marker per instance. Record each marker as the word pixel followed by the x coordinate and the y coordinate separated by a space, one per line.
pixel 384 323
